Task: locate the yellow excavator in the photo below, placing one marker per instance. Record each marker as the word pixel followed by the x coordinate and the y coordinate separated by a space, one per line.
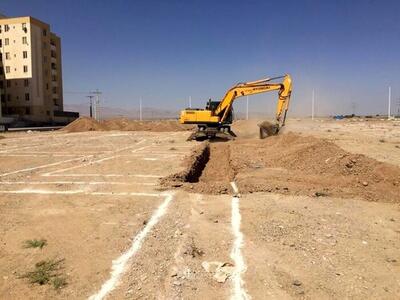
pixel 217 117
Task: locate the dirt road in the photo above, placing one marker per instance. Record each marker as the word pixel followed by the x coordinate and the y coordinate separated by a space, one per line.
pixel 95 197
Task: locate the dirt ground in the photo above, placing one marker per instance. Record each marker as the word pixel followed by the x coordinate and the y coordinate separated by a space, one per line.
pixel 96 199
pixel 123 124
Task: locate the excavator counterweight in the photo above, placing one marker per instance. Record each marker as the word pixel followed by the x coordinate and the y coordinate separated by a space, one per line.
pixel 217 117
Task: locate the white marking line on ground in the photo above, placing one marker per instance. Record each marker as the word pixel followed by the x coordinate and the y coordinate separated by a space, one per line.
pixel 239 293
pixel 119 265
pixel 42 166
pixel 106 175
pixel 50 192
pixel 75 182
pixel 95 161
pixel 40 155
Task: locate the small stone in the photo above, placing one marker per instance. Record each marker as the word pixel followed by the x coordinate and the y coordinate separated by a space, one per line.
pixel 364 183
pixel 215 221
pixel 297 283
pixel 176 282
pixel 174 274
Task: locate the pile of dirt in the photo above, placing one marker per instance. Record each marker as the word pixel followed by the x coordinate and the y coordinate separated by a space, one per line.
pixel 155 126
pixel 124 124
pixel 294 164
pixel 84 124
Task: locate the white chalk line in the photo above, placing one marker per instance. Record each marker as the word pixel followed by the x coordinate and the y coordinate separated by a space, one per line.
pixel 106 175
pixel 118 267
pixel 93 162
pixel 74 182
pixel 239 292
pixel 51 192
pixel 42 166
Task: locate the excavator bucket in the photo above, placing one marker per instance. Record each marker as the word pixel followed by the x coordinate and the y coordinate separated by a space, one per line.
pixel 268 129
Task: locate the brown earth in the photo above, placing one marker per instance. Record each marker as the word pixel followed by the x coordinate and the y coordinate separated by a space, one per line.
pixel 294 164
pixel 294 246
pixel 123 124
pixel 84 124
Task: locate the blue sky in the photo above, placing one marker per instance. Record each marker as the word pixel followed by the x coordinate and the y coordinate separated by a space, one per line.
pixel 166 51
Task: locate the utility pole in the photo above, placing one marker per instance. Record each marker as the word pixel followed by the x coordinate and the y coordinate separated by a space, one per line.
pixel 97 94
pixel 90 105
pixel 247 107
pixel 398 107
pixel 312 104
pixel 353 108
pixel 140 109
pixel 389 100
pixel 190 101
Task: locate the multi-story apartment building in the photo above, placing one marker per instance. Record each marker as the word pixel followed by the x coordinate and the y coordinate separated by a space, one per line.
pixel 30 71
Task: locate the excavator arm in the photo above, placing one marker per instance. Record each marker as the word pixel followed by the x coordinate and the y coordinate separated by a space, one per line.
pixel 258 87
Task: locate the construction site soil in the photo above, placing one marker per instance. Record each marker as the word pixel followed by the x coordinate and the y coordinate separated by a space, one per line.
pixel 287 164
pixel 123 124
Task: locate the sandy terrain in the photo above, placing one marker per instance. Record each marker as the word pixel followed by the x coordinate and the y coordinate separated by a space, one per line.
pixel 96 198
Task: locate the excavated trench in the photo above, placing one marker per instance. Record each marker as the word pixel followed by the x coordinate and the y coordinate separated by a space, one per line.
pixel 286 164
pixel 207 170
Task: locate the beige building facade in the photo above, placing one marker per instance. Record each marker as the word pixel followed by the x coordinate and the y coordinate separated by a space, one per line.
pixel 30 71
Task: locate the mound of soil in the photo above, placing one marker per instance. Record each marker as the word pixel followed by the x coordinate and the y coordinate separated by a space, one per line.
pixel 84 124
pixel 155 126
pixel 89 124
pixel 293 164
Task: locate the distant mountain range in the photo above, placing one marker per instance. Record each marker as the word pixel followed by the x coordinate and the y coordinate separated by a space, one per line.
pixel 113 112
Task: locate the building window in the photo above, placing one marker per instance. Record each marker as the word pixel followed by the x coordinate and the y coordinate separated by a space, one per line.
pixel 55 102
pixel 44 32
pixel 6 41
pixel 24 27
pixel 1 84
pixel 1 43
pixel 1 70
pixel 25 69
pixel 1 56
pixel 24 40
pixel 26 96
pixel 25 54
pixel 0 28
pixel 26 82
pixel 6 28
pixel 7 55
pixel 8 69
pixel 27 110
pixel 54 90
